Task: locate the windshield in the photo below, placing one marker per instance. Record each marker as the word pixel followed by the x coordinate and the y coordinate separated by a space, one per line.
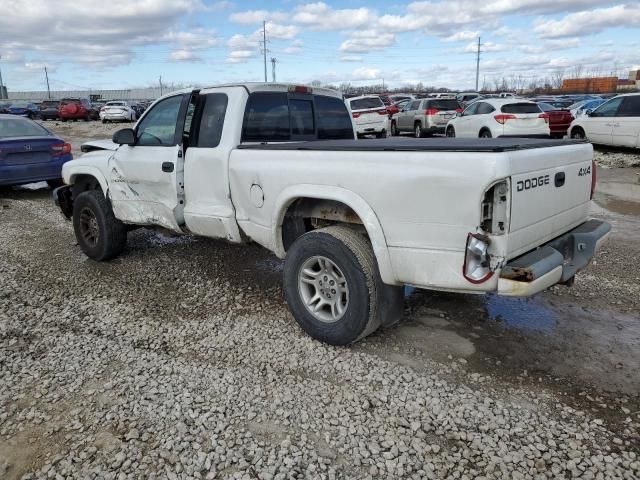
pixel 365 103
pixel 20 127
pixel 521 108
pixel 115 104
pixel 69 101
pixel 444 104
pixel 20 105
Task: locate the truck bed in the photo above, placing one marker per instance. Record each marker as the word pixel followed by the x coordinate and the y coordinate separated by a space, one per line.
pixel 408 144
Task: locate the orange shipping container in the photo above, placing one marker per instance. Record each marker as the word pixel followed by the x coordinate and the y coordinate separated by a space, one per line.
pixel 590 85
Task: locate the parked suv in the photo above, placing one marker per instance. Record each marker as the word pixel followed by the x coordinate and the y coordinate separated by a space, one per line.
pixel 425 116
pixel 76 109
pixel 49 109
pixel 615 122
pixel 369 114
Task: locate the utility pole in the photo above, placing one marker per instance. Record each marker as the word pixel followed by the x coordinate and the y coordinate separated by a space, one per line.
pixel 478 65
pixel 1 84
pixel 46 75
pixel 274 60
pixel 160 85
pixel 264 47
pixel 383 85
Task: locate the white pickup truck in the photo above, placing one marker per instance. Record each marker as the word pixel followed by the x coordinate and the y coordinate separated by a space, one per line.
pixel 354 220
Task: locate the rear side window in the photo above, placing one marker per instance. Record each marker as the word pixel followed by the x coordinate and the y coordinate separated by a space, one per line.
pixel 415 105
pixel 443 104
pixel 266 118
pixel 334 121
pixel 630 107
pixel 366 103
pixel 212 120
pixel 484 108
pixel 521 108
pixel 277 117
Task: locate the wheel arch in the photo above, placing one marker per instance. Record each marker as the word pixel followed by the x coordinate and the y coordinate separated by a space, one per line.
pixel 318 196
pixel 74 175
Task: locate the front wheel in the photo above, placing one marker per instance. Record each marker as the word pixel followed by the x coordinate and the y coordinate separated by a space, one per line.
pixel 394 129
pixel 485 133
pixel 100 234
pixel 333 287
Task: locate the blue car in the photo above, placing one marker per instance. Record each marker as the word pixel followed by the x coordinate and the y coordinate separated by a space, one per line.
pixel 25 109
pixel 30 153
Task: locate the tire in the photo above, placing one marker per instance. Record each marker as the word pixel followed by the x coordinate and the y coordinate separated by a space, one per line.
pixel 99 233
pixel 451 132
pixel 104 121
pixel 394 129
pixel 348 257
pixel 485 133
pixel 63 119
pixel 382 134
pixel 578 133
pixel 417 131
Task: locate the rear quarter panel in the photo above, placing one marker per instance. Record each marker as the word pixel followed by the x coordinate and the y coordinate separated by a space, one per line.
pixel 425 202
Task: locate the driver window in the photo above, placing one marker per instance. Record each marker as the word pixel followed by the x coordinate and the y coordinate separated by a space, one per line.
pixel 158 127
pixel 472 110
pixel 608 109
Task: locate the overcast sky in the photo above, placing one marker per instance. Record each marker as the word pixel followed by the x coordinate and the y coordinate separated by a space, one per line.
pixel 129 43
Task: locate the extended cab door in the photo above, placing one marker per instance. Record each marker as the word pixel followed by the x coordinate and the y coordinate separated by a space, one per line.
pixel 145 179
pixel 626 125
pixel 599 124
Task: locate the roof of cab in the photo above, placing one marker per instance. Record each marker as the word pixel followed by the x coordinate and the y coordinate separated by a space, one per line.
pixel 277 87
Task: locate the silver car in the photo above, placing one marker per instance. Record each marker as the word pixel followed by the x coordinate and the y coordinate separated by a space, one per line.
pixel 425 116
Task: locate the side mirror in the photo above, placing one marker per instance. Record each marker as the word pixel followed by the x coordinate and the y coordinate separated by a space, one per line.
pixel 125 136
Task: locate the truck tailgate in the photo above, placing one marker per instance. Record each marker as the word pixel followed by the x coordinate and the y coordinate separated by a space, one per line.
pixel 550 194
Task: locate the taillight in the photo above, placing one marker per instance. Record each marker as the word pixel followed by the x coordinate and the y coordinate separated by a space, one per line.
pixel 355 115
pixel 458 110
pixel 60 149
pixel 431 111
pixel 545 116
pixel 300 89
pixel 502 119
pixel 477 263
pixel 383 112
pixel 594 178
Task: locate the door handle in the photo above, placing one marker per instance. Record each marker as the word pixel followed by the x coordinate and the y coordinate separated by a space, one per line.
pixel 167 167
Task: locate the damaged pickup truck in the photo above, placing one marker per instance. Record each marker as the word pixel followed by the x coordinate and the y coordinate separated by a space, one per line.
pixel 353 220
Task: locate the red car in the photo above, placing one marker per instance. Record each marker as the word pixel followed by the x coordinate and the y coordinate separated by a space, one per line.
pixel 76 109
pixel 559 119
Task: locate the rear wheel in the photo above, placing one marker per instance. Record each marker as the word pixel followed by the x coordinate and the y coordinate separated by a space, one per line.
pixel 485 133
pixel 382 134
pixel 333 287
pixel 451 132
pixel 100 234
pixel 417 130
pixel 394 129
pixel 578 134
pixel 55 183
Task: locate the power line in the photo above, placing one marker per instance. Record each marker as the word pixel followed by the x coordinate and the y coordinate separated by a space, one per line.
pixel 264 47
pixel 46 76
pixel 478 65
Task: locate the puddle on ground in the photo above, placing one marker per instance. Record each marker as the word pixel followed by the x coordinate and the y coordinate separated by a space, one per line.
pixel 270 265
pixel 526 313
pixel 616 205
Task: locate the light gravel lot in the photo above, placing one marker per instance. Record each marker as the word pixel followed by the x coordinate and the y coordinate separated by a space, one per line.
pixel 180 360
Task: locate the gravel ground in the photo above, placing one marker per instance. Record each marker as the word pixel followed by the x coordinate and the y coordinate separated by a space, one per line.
pixel 180 360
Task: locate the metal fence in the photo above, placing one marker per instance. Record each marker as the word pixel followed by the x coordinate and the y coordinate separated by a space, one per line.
pixel 105 95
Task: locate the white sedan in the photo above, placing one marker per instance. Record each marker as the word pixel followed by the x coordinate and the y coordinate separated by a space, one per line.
pixel 615 122
pixel 499 117
pixel 117 111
